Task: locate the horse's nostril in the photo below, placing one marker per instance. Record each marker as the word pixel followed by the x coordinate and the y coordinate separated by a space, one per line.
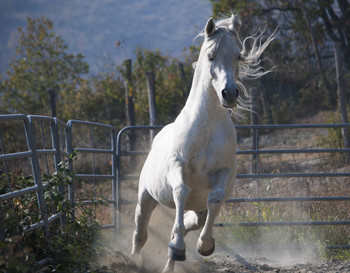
pixel 224 94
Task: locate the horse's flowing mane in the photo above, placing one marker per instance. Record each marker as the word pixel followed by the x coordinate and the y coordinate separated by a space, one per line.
pixel 252 48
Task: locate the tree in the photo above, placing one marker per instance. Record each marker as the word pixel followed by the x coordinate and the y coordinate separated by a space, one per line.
pixel 42 62
pixel 336 19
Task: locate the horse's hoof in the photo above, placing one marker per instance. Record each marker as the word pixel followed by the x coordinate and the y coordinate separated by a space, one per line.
pixel 206 252
pixel 176 254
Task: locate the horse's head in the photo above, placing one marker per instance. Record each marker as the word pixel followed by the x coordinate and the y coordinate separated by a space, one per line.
pixel 221 53
pixel 229 62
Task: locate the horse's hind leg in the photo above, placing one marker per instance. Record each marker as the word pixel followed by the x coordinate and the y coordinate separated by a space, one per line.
pixel 194 220
pixel 144 208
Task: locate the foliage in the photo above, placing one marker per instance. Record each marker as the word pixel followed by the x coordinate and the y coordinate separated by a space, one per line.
pixel 70 247
pixel 296 88
pixel 42 62
pixel 99 99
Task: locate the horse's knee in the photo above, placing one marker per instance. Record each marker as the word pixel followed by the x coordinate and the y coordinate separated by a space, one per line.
pixel 216 196
pixel 180 193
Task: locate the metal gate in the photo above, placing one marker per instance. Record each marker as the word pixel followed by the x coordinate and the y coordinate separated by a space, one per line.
pixel 299 156
pixel 35 145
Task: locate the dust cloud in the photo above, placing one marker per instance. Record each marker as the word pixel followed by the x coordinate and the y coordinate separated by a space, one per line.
pixel 154 254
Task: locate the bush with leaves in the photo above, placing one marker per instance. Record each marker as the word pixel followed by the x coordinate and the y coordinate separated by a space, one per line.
pixel 70 247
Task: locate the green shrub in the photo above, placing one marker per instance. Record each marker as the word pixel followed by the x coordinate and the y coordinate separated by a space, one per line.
pixel 69 248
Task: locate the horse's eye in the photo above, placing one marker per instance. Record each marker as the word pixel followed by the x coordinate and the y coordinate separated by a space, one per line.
pixel 239 57
pixel 210 57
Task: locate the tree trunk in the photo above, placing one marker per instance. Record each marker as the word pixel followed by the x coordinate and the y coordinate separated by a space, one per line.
pixel 317 53
pixel 265 100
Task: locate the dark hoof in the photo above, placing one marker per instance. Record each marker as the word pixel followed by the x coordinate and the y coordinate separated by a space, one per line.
pixel 207 252
pixel 176 254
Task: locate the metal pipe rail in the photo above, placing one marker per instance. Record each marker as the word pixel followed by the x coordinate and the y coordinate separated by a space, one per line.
pixel 33 154
pixel 111 151
pixel 257 175
pixel 59 146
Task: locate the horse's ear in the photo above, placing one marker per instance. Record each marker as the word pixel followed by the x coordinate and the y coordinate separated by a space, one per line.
pixel 235 23
pixel 194 65
pixel 210 27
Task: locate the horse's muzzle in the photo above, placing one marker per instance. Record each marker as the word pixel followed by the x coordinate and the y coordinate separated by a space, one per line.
pixel 229 97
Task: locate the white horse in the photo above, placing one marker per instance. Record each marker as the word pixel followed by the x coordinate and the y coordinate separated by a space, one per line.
pixel 192 163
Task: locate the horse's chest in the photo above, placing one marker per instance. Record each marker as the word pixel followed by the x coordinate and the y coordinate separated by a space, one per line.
pixel 214 153
pixel 216 150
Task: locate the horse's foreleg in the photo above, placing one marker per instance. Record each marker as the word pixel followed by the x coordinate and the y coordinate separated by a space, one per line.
pixel 144 208
pixel 177 244
pixel 193 220
pixel 206 241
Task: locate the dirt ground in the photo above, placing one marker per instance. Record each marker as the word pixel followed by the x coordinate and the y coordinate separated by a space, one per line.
pixel 226 258
pixel 228 263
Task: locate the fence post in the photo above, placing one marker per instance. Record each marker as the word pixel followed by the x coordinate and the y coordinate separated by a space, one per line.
pixel 151 102
pixel 184 79
pixel 57 158
pixel 129 103
pixel 52 96
pixel 70 151
pixel 114 179
pixel 37 174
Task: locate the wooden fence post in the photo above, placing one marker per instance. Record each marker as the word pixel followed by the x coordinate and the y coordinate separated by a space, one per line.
pixel 184 79
pixel 52 97
pixel 151 102
pixel 129 104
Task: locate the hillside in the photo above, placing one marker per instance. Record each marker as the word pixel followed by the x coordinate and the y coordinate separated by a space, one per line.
pixel 93 27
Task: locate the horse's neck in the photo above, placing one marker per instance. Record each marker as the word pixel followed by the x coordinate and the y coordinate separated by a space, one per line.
pixel 202 106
